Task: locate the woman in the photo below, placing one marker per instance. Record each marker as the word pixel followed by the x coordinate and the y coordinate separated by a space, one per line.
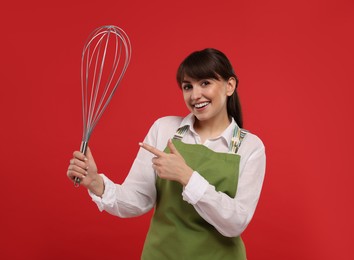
pixel 202 173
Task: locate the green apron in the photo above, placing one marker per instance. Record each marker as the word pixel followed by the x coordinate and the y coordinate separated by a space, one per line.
pixel 177 231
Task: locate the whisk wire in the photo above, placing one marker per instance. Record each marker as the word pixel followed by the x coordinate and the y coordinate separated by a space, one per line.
pixel 106 88
pixel 102 104
pixel 96 84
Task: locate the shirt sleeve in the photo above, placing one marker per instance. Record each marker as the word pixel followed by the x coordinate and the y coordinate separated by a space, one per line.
pixel 230 216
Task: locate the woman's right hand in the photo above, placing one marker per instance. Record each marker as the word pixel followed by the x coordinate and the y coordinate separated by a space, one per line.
pixel 84 167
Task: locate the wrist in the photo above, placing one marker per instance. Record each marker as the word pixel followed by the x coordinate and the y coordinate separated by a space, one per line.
pixel 97 186
pixel 186 177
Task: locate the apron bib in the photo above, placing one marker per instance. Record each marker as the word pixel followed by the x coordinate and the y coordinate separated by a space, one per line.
pixel 177 231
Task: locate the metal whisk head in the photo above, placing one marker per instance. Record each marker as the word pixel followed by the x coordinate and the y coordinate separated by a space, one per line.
pixel 105 58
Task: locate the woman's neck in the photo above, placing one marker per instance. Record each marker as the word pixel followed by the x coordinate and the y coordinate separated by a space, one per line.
pixel 209 129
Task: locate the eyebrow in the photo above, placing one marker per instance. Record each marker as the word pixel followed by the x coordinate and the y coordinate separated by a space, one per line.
pixel 185 81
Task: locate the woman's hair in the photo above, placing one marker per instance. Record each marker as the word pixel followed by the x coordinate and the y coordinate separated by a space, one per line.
pixel 212 64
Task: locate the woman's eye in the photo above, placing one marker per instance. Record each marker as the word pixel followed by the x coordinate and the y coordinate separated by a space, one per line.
pixel 205 83
pixel 187 87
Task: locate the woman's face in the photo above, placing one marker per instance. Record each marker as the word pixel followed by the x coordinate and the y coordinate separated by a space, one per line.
pixel 207 98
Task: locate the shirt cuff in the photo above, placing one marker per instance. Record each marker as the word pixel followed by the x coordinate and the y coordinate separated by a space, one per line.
pixel 195 188
pixel 108 196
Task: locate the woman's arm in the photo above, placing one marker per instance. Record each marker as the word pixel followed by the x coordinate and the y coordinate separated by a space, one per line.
pixel 230 216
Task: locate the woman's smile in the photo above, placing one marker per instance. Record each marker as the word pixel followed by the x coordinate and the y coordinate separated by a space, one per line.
pixel 202 105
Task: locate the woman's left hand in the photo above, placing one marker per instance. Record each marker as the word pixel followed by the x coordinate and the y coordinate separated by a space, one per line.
pixel 170 166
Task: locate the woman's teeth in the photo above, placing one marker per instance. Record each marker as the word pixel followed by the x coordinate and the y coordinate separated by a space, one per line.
pixel 200 105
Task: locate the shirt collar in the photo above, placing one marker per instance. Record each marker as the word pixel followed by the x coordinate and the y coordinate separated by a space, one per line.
pixel 226 135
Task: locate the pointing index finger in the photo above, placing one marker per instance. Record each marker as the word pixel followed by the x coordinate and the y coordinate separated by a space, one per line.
pixel 152 149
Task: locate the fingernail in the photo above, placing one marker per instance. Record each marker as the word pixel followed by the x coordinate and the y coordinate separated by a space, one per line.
pixel 141 144
pixel 85 159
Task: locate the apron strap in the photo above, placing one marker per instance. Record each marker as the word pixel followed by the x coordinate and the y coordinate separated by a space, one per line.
pixel 180 132
pixel 236 140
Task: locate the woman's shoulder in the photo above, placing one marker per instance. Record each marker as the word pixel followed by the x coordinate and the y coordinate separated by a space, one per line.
pixel 252 143
pixel 254 138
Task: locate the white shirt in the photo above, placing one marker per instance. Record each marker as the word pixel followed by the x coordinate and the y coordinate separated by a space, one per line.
pixel 230 216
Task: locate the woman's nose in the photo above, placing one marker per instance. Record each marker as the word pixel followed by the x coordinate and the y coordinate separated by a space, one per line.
pixel 196 93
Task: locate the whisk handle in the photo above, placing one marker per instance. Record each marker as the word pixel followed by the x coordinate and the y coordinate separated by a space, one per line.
pixel 83 149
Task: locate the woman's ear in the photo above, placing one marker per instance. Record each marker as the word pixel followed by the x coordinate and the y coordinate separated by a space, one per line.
pixel 231 85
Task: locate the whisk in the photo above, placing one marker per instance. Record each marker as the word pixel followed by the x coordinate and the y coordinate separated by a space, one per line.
pixel 105 58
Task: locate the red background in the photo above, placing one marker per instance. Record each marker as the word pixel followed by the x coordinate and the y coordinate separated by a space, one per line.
pixel 295 61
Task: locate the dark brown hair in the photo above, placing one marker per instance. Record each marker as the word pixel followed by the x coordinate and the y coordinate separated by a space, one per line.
pixel 212 64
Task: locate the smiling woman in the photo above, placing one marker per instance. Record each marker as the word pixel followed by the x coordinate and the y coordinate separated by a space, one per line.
pixel 204 184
